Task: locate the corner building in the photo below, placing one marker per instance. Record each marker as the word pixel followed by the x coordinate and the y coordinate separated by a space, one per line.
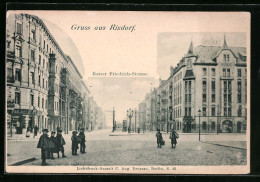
pixel 44 87
pixel 212 79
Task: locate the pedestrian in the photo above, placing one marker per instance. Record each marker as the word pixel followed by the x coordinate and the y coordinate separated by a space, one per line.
pixel 35 131
pixel 61 142
pixel 43 144
pixel 28 132
pixel 54 148
pixel 75 142
pixel 174 136
pixel 159 138
pixel 82 141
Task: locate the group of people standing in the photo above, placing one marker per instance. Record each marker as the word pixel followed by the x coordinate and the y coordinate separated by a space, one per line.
pixel 173 136
pixel 55 144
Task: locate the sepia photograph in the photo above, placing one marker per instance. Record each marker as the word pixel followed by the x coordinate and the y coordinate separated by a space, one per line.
pixel 127 92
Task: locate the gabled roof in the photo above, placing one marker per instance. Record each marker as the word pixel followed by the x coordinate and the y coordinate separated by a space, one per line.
pixel 207 54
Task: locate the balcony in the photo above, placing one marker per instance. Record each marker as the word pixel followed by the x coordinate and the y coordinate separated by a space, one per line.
pixel 10 80
pixel 10 55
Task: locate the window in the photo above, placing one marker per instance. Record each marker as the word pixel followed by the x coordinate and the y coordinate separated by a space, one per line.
pixel 43 63
pixel 32 78
pixel 17 98
pixel 189 63
pixel 213 72
pixel 47 47
pixel 238 72
pixel 239 94
pixel 32 99
pixel 40 40
pixel 204 99
pixel 39 80
pixel 204 110
pixel 204 95
pixel 213 97
pixel 213 111
pixel 213 125
pixel 229 111
pixel 245 90
pixel 43 83
pixel 204 71
pixel 189 111
pixel 33 55
pixel 46 104
pixel 39 101
pixel 33 34
pixel 239 111
pixel 228 72
pixel 40 59
pixel 43 103
pixel 19 51
pixel 186 111
pixel 19 28
pixel 204 125
pixel 226 57
pixel 224 73
pixel 44 44
pixel 9 73
pixel 18 74
pixel 213 85
pixel 8 44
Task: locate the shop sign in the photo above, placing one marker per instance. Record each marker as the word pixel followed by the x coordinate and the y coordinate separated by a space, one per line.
pixel 21 112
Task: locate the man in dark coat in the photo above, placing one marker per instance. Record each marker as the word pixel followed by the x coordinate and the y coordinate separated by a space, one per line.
pixel 43 144
pixel 82 141
pixel 55 147
pixel 159 138
pixel 61 142
pixel 173 136
pixel 75 142
pixel 35 131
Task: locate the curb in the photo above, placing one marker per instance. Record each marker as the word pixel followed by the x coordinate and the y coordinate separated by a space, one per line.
pixel 23 162
pixel 224 145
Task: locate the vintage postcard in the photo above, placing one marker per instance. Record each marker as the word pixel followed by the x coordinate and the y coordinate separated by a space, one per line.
pixel 127 92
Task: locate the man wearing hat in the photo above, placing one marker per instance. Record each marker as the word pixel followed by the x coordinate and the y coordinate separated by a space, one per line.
pixel 159 138
pixel 61 142
pixel 82 141
pixel 75 142
pixel 43 144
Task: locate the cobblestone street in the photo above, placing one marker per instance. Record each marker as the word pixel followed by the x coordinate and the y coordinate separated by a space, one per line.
pixel 141 149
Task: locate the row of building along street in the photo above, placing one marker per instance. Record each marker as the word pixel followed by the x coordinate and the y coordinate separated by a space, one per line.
pixel 44 87
pixel 205 92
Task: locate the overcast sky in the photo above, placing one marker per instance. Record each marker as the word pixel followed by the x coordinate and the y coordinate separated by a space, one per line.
pixel 125 51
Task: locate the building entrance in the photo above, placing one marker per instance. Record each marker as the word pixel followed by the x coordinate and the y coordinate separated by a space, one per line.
pixel 227 126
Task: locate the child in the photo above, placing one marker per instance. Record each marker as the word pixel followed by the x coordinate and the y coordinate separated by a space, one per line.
pixel 43 144
pixel 75 142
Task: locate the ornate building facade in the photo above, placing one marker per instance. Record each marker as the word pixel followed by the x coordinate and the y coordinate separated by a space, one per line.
pixel 44 87
pixel 212 79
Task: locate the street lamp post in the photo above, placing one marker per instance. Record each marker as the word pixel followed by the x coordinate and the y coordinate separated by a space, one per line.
pixel 130 113
pixel 199 111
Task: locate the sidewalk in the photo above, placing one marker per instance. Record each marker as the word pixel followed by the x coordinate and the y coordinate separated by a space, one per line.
pixel 232 144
